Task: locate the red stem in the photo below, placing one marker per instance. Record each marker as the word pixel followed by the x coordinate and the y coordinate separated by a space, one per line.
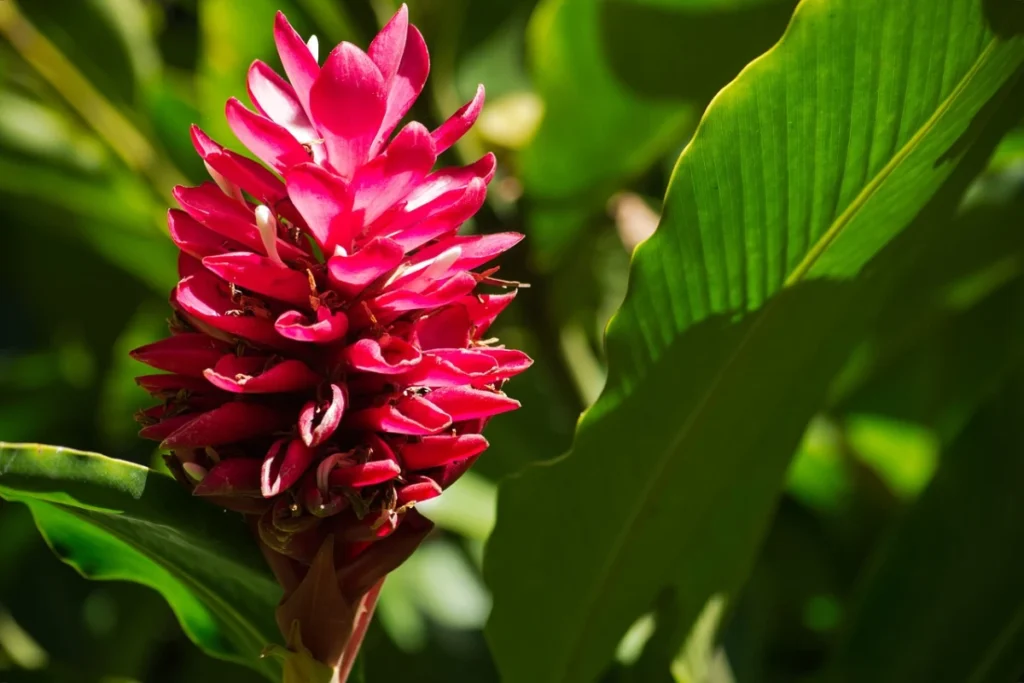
pixel 366 608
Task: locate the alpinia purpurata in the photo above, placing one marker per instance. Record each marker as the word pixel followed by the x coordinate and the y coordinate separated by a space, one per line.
pixel 329 366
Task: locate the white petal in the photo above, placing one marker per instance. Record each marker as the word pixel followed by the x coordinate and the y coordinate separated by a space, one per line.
pixel 267 224
pixel 416 278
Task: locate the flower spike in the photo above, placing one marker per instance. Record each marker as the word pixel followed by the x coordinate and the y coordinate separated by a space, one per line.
pixel 329 366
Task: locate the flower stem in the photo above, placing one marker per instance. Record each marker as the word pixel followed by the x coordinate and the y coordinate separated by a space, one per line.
pixel 366 608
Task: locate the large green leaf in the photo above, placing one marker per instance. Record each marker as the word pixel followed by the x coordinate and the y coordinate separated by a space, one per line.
pixel 945 603
pixel 112 519
pixel 740 310
pixel 622 82
pixel 936 353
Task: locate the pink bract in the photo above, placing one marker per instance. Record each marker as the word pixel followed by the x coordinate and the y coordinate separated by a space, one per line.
pixel 329 360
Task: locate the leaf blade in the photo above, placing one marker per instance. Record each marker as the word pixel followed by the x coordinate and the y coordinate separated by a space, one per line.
pixel 960 541
pixel 151 532
pixel 774 210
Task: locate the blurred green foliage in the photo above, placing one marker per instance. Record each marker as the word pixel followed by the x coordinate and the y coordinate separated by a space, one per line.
pixel 589 103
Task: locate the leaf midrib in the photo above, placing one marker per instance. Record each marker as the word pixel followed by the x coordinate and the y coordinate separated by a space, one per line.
pixel 820 248
pixel 847 216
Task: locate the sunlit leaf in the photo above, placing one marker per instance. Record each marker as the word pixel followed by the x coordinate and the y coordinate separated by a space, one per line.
pixel 622 82
pixel 741 308
pixel 111 519
pixel 1010 151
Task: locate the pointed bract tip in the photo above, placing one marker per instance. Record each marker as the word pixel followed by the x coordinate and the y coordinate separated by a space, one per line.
pixel 403 11
pixel 283 30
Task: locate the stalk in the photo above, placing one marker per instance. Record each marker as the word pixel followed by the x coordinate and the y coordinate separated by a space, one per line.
pixel 366 609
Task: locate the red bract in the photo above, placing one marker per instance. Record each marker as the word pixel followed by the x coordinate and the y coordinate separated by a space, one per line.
pixel 330 366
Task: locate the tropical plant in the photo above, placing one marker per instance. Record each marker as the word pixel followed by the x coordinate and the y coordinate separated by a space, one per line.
pixel 797 452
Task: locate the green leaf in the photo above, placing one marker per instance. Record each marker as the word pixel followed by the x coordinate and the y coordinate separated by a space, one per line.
pixel 740 310
pixel 941 378
pixel 112 519
pixel 622 82
pixel 79 79
pixel 595 133
pixel 700 660
pixel 1011 150
pixel 945 603
pixel 106 39
pixel 946 342
pixel 937 352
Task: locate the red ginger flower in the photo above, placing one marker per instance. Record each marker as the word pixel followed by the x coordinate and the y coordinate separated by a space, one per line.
pixel 328 366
